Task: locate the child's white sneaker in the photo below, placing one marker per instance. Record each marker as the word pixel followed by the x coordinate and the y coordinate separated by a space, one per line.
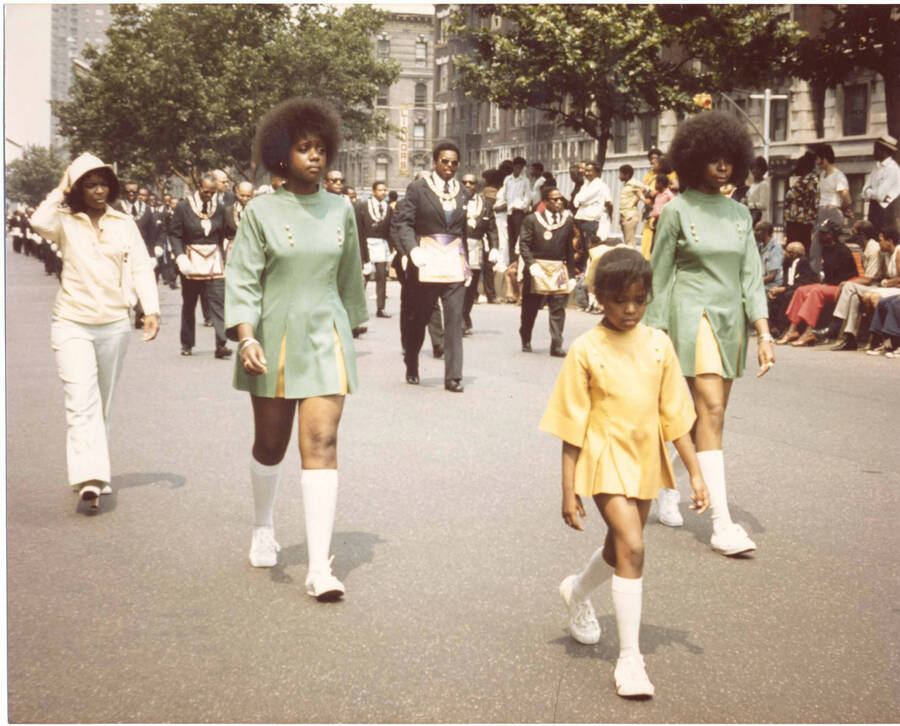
pixel 583 625
pixel 631 678
pixel 732 540
pixel 264 549
pixel 324 586
pixel 667 508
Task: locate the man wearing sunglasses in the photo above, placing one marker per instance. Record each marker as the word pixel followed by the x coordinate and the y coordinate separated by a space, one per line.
pixel 334 183
pixel 429 228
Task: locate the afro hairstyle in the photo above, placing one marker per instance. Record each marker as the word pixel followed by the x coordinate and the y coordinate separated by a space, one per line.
pixel 703 139
pixel 287 123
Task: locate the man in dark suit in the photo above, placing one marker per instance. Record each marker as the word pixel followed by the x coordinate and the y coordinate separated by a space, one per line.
pixel 134 202
pixel 373 222
pixel 548 236
pixel 481 228
pixel 197 235
pixel 429 229
pixel 224 195
pixel 796 271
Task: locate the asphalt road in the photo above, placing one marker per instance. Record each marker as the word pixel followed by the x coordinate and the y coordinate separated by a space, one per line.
pixel 450 543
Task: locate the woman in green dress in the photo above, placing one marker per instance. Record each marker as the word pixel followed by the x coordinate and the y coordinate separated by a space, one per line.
pixel 293 294
pixel 707 290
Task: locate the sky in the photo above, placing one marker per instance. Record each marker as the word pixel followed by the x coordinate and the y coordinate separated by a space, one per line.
pixel 26 74
pixel 27 70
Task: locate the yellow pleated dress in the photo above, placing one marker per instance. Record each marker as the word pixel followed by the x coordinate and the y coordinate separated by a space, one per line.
pixel 619 397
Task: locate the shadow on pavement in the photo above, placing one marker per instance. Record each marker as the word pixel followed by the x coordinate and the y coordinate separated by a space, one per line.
pixel 350 550
pixel 701 527
pixel 653 637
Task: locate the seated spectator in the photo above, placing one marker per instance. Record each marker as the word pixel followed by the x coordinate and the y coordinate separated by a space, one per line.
pixel 889 287
pixel 771 252
pixel 885 328
pixel 806 305
pixel 795 272
pixel 847 310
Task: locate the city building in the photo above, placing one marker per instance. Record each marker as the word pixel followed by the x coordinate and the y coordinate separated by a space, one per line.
pixel 849 117
pixel 71 27
pixel 407 38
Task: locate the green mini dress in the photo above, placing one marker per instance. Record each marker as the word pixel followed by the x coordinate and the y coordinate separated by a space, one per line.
pixel 705 262
pixel 295 275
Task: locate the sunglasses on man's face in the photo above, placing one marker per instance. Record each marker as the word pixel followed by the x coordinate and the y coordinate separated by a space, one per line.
pixel 336 180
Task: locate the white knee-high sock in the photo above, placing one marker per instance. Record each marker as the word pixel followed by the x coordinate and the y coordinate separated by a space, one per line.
pixel 591 577
pixel 320 488
pixel 627 596
pixel 265 486
pixel 712 465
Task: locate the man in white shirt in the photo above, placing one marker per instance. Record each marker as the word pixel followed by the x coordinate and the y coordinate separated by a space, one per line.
pixel 594 205
pixel 536 172
pixel 517 192
pixel 835 204
pixel 882 188
pixel 758 195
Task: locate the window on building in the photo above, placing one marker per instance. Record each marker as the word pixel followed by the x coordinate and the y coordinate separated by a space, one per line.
pixel 649 130
pixel 779 114
pixel 383 48
pixel 817 94
pixel 856 101
pixel 421 95
pixel 421 53
pixel 493 116
pixel 445 76
pixel 382 98
pixel 419 135
pixel 441 30
pixel 381 170
pixel 453 120
pixel 620 135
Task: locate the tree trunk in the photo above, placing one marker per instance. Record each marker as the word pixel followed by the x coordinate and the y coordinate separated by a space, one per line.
pixel 603 142
pixel 892 103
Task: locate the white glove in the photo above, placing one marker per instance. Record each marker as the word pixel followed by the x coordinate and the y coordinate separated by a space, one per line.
pixel 571 284
pixel 417 255
pixel 184 264
pixel 535 269
pixel 494 256
pixel 368 268
pixel 404 261
pixel 158 251
pixel 154 262
pixel 467 282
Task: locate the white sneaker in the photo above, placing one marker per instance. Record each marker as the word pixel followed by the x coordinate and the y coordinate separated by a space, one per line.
pixel 732 540
pixel 631 678
pixel 324 586
pixel 107 489
pixel 667 508
pixel 583 625
pixel 264 549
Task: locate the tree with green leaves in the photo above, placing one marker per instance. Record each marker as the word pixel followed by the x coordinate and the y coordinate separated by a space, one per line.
pixel 179 88
pixel 857 37
pixel 30 178
pixel 586 65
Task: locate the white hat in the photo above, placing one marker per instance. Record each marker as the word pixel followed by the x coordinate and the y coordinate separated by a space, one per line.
pixel 887 141
pixel 84 164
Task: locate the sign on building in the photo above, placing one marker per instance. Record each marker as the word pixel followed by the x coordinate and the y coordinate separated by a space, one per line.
pixel 403 136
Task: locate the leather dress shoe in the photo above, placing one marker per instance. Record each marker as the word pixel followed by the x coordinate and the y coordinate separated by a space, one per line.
pixel 558 353
pixel 454 385
pixel 526 347
pixel 186 351
pixel 467 332
pixel 412 379
pixel 223 352
pixel 382 314
pixel 359 331
pixel 848 343
pixel 438 351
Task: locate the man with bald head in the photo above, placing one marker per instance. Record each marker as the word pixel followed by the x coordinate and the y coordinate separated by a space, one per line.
pixel 243 193
pixel 224 195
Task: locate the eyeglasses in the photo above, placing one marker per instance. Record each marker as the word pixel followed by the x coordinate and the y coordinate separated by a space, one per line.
pixel 470 182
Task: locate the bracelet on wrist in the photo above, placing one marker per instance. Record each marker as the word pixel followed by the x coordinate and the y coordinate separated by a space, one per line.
pixel 245 342
pixel 765 338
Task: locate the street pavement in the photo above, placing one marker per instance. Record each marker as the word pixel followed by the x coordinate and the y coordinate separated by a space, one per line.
pixel 450 543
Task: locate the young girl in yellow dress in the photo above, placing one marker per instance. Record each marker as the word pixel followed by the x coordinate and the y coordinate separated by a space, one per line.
pixel 619 396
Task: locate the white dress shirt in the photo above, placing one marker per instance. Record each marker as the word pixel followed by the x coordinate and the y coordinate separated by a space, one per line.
pixel 883 184
pixel 518 193
pixel 591 202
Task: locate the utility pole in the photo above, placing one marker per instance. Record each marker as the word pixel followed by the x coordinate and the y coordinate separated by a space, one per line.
pixel 767 99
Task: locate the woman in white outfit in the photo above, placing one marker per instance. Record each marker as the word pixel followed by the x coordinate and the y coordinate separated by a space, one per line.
pixel 105 263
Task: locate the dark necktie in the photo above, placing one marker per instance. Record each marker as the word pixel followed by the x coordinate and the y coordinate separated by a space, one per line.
pixel 134 210
pixel 447 212
pixel 555 217
pixel 206 207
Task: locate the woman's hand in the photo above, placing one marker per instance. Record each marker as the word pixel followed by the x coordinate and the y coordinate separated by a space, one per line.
pixel 700 497
pixel 765 352
pixel 65 186
pixel 253 359
pixel 151 327
pixel 572 509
